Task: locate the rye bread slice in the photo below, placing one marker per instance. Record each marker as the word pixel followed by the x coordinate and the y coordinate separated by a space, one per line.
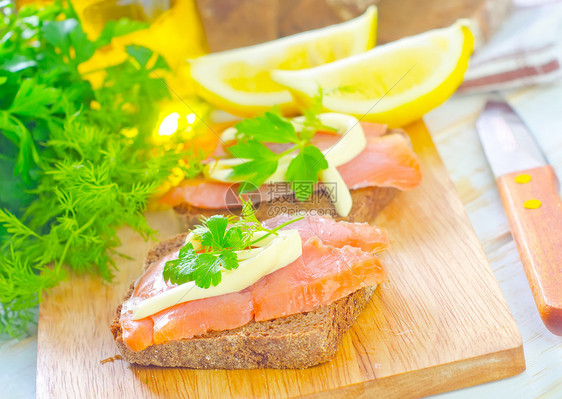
pixel 296 341
pixel 367 203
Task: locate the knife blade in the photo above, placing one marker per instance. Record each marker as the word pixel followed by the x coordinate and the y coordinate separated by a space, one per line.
pixel 528 189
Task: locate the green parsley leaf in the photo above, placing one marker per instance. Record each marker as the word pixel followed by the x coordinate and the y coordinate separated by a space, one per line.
pixel 204 268
pixel 303 171
pixel 269 127
pixel 228 259
pixel 27 156
pixel 11 128
pixel 66 35
pixel 179 271
pixel 213 235
pixel 207 271
pixel 251 149
pixel 83 47
pixel 160 63
pixel 234 239
pixel 263 163
pixel 34 99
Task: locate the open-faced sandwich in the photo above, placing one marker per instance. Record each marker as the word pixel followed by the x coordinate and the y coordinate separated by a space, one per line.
pixel 330 163
pixel 236 293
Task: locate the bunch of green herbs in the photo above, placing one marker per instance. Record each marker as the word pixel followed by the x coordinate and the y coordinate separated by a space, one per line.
pixel 70 176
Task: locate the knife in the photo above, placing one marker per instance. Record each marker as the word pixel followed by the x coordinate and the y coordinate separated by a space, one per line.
pixel 528 189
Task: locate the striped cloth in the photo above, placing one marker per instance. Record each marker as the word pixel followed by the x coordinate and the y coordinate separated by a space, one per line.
pixel 526 51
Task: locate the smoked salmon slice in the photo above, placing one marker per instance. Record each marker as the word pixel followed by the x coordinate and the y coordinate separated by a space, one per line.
pixel 338 258
pixel 322 275
pixel 337 234
pixel 188 319
pixel 387 161
pixel 136 334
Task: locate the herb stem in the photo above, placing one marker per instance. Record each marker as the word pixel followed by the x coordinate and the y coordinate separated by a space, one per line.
pixel 275 230
pixel 73 235
pixel 287 152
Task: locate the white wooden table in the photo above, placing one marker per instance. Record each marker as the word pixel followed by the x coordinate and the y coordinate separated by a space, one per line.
pixel 453 128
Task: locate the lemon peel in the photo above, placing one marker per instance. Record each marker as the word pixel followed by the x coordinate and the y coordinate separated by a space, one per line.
pixel 395 83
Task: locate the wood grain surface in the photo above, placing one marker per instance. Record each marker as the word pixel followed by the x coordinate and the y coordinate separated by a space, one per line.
pixel 534 211
pixel 247 22
pixel 441 323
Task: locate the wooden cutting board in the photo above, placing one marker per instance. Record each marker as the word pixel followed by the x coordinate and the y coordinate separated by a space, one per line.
pixel 441 323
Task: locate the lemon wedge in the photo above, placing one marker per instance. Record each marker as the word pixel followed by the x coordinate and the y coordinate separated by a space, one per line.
pixel 394 83
pixel 238 81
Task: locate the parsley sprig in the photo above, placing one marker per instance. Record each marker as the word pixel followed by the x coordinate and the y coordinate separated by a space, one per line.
pixel 271 127
pixel 220 237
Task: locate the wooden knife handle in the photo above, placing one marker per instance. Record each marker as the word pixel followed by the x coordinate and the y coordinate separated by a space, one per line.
pixel 534 210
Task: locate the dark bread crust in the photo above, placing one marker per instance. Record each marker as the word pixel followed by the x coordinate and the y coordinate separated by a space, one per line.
pixel 367 204
pixel 295 341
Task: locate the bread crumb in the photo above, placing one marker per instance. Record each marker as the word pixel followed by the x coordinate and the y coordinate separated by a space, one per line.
pixel 111 359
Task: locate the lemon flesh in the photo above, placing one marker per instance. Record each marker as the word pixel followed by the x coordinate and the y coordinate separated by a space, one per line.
pixel 395 83
pixel 238 81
